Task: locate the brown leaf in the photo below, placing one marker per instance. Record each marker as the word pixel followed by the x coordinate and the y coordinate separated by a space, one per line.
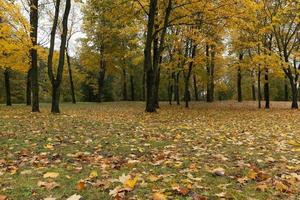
pixel 2 197
pixel 48 185
pixel 159 196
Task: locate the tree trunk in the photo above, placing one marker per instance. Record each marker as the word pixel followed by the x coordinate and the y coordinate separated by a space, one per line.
pixel 55 98
pixel 132 88
pixel 157 81
pixel 28 88
pixel 148 65
pixel 7 87
pixel 266 89
pixel 259 88
pixel 170 87
pixel 212 75
pixel 294 95
pixel 208 91
pixel 151 64
pixel 186 92
pixel 196 88
pixel 101 84
pixel 33 55
pixel 188 75
pixel 56 81
pixel 71 78
pixel 144 87
pixel 124 86
pixel 176 88
pixel 239 79
pixel 239 84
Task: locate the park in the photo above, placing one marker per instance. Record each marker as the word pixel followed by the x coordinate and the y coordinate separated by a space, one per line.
pixel 149 99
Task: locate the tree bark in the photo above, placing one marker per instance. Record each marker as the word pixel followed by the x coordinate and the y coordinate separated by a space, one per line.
pixel 267 89
pixel 101 78
pixel 144 87
pixel 28 88
pixel 239 79
pixel 157 82
pixel 170 87
pixel 259 87
pixel 294 95
pixel 71 78
pixel 55 98
pixel 176 88
pixel 239 84
pixel 132 88
pixel 33 55
pixel 7 87
pixel 148 65
pixel 124 85
pixel 211 74
pixel 196 88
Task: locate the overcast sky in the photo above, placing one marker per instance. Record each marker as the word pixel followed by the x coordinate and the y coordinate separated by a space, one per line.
pixel 45 24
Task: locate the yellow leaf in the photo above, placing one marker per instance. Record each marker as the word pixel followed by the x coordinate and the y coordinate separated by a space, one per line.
pixel 51 175
pixel 93 174
pixel 130 183
pixel 252 174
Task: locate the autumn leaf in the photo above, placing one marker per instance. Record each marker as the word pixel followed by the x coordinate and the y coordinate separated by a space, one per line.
pixel 51 175
pixel 130 183
pixel 2 197
pixel 262 187
pixel 93 174
pixel 219 171
pixel 81 185
pixel 75 197
pixel 159 196
pixel 48 185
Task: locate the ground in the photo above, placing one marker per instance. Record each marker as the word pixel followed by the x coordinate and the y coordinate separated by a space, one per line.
pixel 115 150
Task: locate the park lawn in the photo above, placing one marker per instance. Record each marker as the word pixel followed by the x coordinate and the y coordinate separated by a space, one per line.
pixel 210 151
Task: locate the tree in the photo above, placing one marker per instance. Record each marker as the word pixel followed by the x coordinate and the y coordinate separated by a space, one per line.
pixel 56 81
pixel 33 72
pixel 14 43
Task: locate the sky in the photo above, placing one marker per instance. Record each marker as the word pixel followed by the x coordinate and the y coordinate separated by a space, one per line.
pixel 45 24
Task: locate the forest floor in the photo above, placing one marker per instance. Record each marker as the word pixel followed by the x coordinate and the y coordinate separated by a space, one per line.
pixel 111 150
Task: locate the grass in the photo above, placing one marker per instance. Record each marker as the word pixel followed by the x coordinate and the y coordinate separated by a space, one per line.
pixel 177 145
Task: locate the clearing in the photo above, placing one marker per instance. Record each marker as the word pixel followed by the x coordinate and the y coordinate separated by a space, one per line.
pixel 210 151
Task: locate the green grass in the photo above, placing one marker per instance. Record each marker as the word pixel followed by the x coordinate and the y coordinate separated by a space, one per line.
pixel 172 144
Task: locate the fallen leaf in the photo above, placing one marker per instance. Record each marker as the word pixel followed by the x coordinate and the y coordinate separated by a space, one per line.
pixel 130 183
pixel 262 187
pixel 279 186
pixel 50 198
pixel 219 171
pixel 159 196
pixel 48 185
pixel 153 178
pixel 252 174
pixel 75 197
pixel 51 175
pixel 2 197
pixel 80 185
pixel 93 174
